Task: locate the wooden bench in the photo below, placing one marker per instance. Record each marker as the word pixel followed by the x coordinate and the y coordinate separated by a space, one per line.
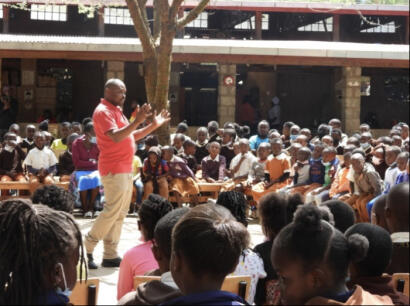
pixel 401 280
pixel 85 292
pixel 239 285
pixel 206 191
pixel 26 186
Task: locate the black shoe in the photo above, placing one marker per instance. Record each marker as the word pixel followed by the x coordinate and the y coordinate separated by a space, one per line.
pixel 91 264
pixel 111 263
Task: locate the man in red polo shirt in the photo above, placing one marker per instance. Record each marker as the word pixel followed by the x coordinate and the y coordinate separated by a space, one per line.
pixel 116 139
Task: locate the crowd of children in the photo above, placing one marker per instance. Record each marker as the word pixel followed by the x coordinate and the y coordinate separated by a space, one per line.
pixel 333 209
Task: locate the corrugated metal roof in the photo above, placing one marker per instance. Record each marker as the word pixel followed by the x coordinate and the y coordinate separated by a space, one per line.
pixel 208 46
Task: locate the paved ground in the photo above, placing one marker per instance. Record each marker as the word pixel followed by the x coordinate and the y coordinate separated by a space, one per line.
pixel 129 238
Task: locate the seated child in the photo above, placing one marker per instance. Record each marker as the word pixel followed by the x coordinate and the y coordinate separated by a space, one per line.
pixel 138 190
pixel 369 185
pixel 257 171
pixel 250 263
pixel 369 272
pixel 28 143
pixel 214 165
pixel 65 161
pixel 158 292
pixel 397 220
pixel 178 143
pixel 300 170
pixel 316 172
pixel 331 164
pixel 292 151
pixel 49 139
pixel 189 155
pixel 275 211
pixel 343 214
pixel 181 179
pixel 312 259
pixel 278 167
pixel 59 145
pixel 201 144
pixel 227 150
pixel 53 248
pixel 41 162
pixel 15 129
pixel 198 241
pixel 11 159
pixel 341 183
pixel 140 260
pixel 403 164
pixel 77 128
pixel 155 172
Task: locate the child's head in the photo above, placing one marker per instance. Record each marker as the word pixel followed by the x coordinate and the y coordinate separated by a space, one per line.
pixel 182 128
pixel 30 130
pixel 397 208
pixel 213 127
pixel 286 128
pixel 76 127
pixel 294 132
pixel 378 214
pixel 303 155
pixel 70 140
pixel 365 140
pixel 179 141
pixel 406 145
pixel 228 136
pixel 358 162
pixel 336 135
pixel 263 129
pixel 335 123
pixel 206 245
pixel 244 145
pixel 202 134
pixel 214 149
pixel 343 214
pixel 404 131
pixel 402 161
pixel 364 128
pixel 40 250
pixel 294 149
pixel 276 211
pixel 353 141
pixel 236 148
pixel 154 155
pixel 347 159
pixel 302 140
pixel 329 154
pixel 323 130
pixel 306 132
pixel 276 146
pixel 264 151
pixel 162 243
pixel 189 147
pixel 54 197
pixel 391 154
pixel 312 258
pixel 151 141
pixel 379 254
pixel 65 129
pixel 274 135
pixel 151 210
pixel 10 139
pixel 48 138
pixel 235 202
pixel 317 151
pixel 397 141
pixel 328 140
pixel 39 140
pixel 14 128
pixel 167 153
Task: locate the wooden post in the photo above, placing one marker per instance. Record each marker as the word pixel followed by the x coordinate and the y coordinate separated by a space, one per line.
pixel 1 68
pixel 6 15
pixel 258 25
pixel 406 31
pixel 101 25
pixel 336 27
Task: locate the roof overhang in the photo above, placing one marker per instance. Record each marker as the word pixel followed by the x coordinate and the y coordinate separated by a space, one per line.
pixel 313 53
pixel 261 5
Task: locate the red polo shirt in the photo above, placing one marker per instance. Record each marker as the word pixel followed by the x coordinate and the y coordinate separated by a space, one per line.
pixel 115 158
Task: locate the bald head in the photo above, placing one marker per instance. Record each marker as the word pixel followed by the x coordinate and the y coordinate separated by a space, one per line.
pixel 115 92
pixel 397 208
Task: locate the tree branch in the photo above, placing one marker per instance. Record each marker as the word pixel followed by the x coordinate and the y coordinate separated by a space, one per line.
pixel 141 25
pixel 173 11
pixel 192 15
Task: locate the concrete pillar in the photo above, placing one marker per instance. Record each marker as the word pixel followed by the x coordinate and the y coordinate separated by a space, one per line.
pixel 174 96
pixel 227 93
pixel 27 94
pixel 115 70
pixel 101 24
pixel 349 87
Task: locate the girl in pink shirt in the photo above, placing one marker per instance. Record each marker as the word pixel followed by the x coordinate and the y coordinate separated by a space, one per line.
pixel 139 260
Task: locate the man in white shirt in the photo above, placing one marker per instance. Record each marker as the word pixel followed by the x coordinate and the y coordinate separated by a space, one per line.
pixel 41 162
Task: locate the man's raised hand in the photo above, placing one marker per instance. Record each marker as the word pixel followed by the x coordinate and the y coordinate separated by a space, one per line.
pixel 162 118
pixel 141 113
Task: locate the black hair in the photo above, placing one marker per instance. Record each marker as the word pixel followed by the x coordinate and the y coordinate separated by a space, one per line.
pixel 230 132
pixel 188 143
pixel 72 137
pixel 235 202
pixel 33 239
pixel 213 126
pixel 276 210
pixel 386 140
pixel 343 214
pixel 313 242
pixel 43 126
pixel 66 124
pixel 245 131
pixel 210 240
pixel 180 136
pixel 89 127
pixel 153 209
pixel 306 153
pixel 380 249
pixel 54 197
pixel 337 131
pixel 288 124
pixel 330 150
pixel 86 120
pixel 323 130
pixel 152 141
pixel 183 127
pixel 359 151
pixel 163 230
pixel 75 123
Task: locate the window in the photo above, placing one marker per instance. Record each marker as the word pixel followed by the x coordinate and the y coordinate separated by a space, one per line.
pixel 250 23
pixel 325 25
pixel 1 11
pixel 382 28
pixel 200 22
pixel 114 15
pixel 50 12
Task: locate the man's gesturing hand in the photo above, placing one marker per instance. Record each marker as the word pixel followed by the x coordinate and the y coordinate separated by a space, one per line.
pixel 162 118
pixel 141 113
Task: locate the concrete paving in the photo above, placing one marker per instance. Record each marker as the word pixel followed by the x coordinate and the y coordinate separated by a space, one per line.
pixel 131 237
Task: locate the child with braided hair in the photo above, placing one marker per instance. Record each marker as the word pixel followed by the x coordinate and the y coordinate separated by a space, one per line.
pixel 40 249
pixel 140 260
